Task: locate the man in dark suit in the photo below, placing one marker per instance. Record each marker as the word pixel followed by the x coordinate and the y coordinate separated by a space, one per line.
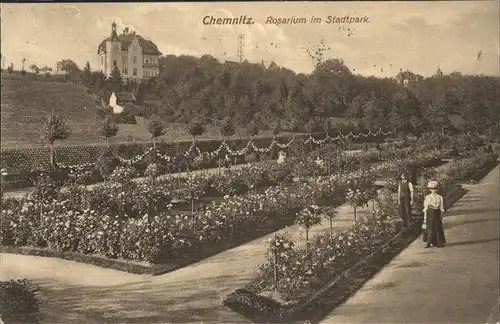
pixel 405 199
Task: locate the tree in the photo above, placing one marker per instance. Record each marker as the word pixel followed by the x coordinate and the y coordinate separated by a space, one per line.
pixel 313 125
pixel 54 128
pixel 307 218
pixel 46 70
pixel 70 68
pixel 374 114
pixel 108 128
pixel 67 66
pixel 87 75
pixel 10 69
pixel 405 105
pixel 436 114
pixel 156 128
pixel 34 68
pixel 196 128
pixel 331 213
pixel 277 127
pixel 23 61
pixel 252 129
pixel 115 80
pixel 227 129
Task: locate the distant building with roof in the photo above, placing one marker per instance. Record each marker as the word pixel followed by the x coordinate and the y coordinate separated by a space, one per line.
pixel 117 101
pixel 136 58
pixel 406 78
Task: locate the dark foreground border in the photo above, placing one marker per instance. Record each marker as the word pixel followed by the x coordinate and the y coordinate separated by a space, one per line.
pixel 314 307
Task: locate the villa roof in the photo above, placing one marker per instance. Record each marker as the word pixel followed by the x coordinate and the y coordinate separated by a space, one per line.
pixel 148 47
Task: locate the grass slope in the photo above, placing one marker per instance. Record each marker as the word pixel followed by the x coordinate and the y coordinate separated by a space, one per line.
pixel 26 99
pixel 24 103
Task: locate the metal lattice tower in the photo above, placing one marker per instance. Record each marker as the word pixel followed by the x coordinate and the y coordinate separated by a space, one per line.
pixel 241 47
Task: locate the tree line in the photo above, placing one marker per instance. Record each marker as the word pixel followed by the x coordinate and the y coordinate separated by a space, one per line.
pixel 274 97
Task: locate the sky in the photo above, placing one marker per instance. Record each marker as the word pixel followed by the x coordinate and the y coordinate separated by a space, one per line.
pixel 458 36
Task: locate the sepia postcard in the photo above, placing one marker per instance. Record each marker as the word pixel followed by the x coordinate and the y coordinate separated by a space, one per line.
pixel 250 162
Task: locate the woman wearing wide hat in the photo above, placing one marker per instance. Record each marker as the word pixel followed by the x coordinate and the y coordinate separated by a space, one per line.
pixel 433 217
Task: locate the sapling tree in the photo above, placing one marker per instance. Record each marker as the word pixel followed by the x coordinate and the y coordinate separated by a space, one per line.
pixel 280 248
pixel 194 189
pixel 331 213
pixel 357 199
pixel 106 164
pixel 196 128
pixel 44 189
pixel 54 128
pixel 108 129
pixel 252 131
pixel 227 129
pixel 277 128
pixel 307 218
pixel 156 128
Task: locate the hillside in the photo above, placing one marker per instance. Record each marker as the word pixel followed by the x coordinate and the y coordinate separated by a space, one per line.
pixel 24 103
pixel 26 99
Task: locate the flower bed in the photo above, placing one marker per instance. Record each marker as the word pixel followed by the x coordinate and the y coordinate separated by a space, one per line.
pixel 121 231
pixel 130 221
pixel 296 278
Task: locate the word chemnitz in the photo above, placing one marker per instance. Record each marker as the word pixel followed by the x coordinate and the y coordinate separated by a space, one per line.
pixel 241 20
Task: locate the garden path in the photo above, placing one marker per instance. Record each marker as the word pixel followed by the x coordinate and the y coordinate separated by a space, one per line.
pixel 74 292
pixel 457 284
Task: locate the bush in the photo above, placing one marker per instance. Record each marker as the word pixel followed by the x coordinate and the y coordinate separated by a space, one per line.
pixel 18 302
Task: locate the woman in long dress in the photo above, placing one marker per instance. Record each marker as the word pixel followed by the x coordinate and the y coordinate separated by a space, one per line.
pixel 433 215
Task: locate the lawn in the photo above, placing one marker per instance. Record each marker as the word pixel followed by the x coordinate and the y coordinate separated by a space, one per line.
pixel 26 100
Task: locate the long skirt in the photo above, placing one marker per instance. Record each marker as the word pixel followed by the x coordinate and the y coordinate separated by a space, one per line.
pixel 434 234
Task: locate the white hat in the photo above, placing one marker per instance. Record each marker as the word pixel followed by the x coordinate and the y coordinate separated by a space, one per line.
pixel 432 185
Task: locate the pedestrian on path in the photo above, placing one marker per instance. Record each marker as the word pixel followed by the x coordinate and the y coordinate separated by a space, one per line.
pixel 433 217
pixel 281 157
pixel 405 199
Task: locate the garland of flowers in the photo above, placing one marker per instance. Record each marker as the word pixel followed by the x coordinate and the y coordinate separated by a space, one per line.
pixel 251 145
pixel 341 136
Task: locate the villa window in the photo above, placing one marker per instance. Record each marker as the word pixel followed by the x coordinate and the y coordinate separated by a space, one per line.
pixel 135 59
pixel 135 71
pixel 147 60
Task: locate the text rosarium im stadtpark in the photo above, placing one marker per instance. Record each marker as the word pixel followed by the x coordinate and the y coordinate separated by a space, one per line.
pixel 270 20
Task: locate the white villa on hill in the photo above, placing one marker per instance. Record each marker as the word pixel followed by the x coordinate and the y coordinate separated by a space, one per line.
pixel 136 58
